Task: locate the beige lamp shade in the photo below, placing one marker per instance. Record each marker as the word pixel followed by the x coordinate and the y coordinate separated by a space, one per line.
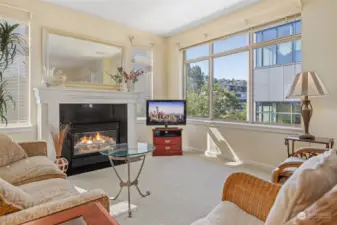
pixel 306 84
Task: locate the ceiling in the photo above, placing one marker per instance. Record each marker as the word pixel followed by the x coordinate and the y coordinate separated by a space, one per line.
pixel 161 17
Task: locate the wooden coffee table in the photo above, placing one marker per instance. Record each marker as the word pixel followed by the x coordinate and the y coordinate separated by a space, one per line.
pixel 87 214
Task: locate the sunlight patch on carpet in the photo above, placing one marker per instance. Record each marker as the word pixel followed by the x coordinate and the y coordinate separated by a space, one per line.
pixel 120 208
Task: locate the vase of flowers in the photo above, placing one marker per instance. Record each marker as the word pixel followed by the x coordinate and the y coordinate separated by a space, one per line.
pixel 129 79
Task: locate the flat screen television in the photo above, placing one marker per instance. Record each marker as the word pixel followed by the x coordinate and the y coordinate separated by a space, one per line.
pixel 165 112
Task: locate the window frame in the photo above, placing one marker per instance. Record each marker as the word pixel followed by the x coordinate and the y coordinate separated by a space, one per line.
pixel 26 126
pixel 251 47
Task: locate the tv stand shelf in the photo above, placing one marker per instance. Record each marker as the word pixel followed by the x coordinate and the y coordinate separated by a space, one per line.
pixel 168 141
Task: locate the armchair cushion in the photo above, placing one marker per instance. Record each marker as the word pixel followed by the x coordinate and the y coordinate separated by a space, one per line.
pixel 13 199
pixel 301 190
pixel 30 169
pixel 53 207
pixel 49 190
pixel 230 214
pixel 10 151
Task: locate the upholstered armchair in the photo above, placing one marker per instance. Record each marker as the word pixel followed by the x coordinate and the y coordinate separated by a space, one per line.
pixel 288 166
pixel 33 166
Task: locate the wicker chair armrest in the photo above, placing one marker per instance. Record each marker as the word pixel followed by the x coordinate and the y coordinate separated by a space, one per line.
pixel 253 195
pixel 277 172
pixel 35 148
pixel 309 150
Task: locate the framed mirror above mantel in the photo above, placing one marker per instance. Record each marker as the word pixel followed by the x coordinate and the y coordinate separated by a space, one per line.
pixel 78 61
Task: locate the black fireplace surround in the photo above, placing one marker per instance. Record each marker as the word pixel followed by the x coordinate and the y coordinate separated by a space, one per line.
pixel 87 122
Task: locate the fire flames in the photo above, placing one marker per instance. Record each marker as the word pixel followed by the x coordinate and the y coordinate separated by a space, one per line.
pixel 97 138
pixel 92 143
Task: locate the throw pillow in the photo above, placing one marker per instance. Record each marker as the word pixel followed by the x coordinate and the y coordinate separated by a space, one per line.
pixel 13 199
pixel 322 212
pixel 10 151
pixel 311 181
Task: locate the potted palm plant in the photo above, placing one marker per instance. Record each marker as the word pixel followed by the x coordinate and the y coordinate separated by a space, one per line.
pixel 11 43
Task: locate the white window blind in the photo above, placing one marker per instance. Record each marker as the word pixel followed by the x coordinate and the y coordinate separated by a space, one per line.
pixel 17 78
pixel 142 60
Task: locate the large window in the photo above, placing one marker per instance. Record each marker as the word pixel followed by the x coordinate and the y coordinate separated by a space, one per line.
pixel 246 76
pixel 142 60
pixel 230 86
pixel 197 88
pixel 17 78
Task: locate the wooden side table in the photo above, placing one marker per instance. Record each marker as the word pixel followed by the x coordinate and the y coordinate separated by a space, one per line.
pixel 328 142
pixel 87 214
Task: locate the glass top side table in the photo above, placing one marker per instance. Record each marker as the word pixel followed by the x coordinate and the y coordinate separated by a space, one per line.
pixel 129 154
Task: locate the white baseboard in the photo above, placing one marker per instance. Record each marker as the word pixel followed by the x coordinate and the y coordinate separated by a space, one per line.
pixel 262 166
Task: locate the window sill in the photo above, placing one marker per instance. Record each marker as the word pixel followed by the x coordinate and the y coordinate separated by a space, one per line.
pixel 17 128
pixel 246 126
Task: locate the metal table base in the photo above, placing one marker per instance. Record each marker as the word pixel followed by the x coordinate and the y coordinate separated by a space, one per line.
pixel 129 183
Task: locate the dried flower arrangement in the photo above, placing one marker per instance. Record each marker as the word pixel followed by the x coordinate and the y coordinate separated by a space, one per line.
pixel 58 138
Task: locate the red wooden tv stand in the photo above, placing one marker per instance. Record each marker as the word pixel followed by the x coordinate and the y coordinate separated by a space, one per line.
pixel 168 141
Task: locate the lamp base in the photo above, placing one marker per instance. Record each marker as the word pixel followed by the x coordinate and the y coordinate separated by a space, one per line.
pixel 306 136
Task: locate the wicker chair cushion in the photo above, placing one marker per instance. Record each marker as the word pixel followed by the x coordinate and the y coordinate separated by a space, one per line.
pixel 301 190
pixel 10 151
pixel 13 199
pixel 322 212
pixel 227 213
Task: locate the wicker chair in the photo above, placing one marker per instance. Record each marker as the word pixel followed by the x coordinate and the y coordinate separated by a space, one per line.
pixel 253 195
pixel 288 167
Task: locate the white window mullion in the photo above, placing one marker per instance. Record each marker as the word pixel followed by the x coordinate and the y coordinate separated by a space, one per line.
pixel 250 100
pixel 210 81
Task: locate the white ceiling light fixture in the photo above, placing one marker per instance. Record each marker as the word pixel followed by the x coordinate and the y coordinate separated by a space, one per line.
pixel 161 17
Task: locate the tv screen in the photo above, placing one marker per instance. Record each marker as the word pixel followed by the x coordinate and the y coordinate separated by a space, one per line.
pixel 166 112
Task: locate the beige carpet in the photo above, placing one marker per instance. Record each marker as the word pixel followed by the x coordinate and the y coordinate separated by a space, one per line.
pixel 183 189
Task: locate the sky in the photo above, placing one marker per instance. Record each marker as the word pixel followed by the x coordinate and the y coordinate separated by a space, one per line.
pixel 230 67
pixel 167 107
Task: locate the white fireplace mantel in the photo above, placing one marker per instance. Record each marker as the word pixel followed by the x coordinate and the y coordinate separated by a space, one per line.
pixel 49 99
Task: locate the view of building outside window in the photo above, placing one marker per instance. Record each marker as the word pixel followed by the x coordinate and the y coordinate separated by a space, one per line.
pixel 226 63
pixel 230 86
pixel 275 67
pixel 197 88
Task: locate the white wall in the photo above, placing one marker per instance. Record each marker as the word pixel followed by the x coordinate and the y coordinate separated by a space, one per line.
pixel 248 143
pixel 62 19
pixel 320 54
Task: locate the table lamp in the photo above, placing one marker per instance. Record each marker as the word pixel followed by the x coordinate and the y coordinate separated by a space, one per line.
pixel 304 85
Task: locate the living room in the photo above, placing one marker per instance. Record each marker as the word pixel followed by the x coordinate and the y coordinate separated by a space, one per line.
pixel 234 65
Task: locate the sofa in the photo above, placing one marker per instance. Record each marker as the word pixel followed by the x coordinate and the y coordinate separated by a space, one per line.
pixel 308 197
pixel 32 187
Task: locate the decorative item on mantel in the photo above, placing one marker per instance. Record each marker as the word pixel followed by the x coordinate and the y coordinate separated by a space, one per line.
pixel 129 79
pixel 54 77
pixel 58 138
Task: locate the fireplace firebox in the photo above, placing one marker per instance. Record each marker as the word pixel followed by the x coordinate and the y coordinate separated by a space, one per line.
pixel 92 128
